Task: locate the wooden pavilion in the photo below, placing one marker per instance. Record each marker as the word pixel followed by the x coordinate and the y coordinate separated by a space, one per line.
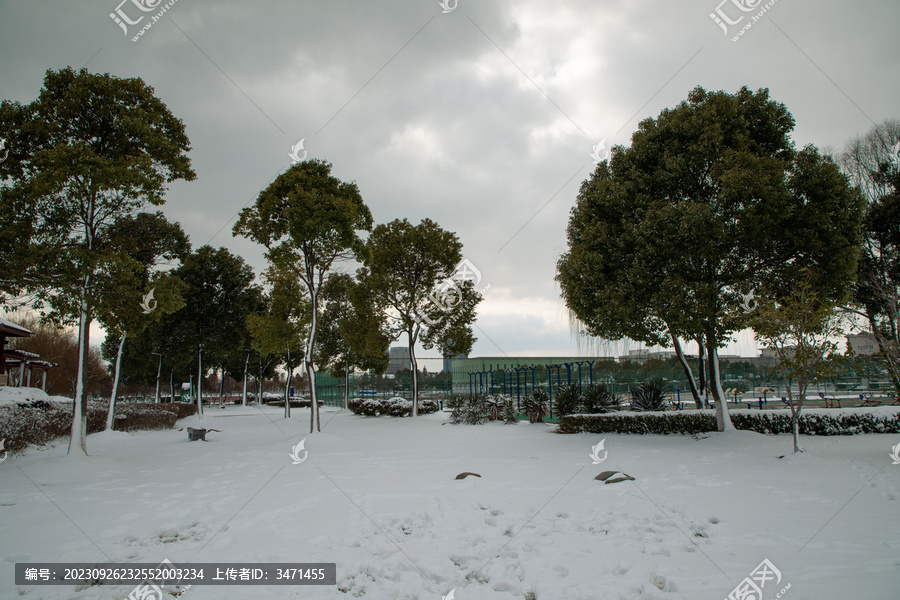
pixel 24 363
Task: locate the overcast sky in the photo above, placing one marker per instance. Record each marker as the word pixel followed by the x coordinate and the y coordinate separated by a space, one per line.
pixel 481 118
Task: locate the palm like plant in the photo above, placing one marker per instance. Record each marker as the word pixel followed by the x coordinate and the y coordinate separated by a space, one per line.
pixel 568 400
pixel 599 399
pixel 650 395
pixel 537 406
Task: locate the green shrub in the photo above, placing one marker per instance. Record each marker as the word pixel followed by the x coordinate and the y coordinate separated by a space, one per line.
pixel 650 395
pixel 42 422
pixel 598 399
pixel 395 407
pixel 473 410
pixel 770 422
pixel 510 412
pixel 537 406
pixel 568 400
pixel 141 416
pixel 495 406
pixel 181 409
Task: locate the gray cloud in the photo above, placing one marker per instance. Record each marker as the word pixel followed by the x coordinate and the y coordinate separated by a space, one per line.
pixel 475 118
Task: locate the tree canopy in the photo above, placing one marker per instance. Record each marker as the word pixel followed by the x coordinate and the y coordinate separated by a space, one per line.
pixel 413 274
pixel 307 219
pixel 710 201
pixel 90 151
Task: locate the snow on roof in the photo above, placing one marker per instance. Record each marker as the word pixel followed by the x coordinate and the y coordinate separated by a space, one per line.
pixel 12 329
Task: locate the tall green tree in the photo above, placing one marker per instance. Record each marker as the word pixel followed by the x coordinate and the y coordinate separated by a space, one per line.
pixel 208 331
pixel 89 151
pixel 280 330
pixel 413 274
pixel 352 332
pixel 145 240
pixel 710 201
pixel 308 220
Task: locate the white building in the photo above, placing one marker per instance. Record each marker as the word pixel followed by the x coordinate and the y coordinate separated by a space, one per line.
pixel 862 343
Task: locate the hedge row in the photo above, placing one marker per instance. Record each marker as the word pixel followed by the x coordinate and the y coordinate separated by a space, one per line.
pixel 41 422
pixel 181 409
pixel 294 403
pixel 395 407
pixel 705 421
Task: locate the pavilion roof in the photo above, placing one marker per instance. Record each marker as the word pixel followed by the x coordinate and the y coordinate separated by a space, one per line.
pixel 10 329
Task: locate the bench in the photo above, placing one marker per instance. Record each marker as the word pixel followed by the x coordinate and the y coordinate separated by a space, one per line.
pixel 830 402
pixel 870 401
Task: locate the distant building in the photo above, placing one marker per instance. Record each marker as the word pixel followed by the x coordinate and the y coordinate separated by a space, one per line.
pixel 399 359
pixel 771 354
pixel 862 343
pixel 643 355
pixel 448 362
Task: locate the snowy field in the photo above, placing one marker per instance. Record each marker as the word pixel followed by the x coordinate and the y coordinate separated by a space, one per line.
pixel 378 496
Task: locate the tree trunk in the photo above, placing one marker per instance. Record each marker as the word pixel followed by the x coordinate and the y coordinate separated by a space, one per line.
pixel 221 386
pixel 315 422
pixel 110 416
pixel 723 420
pixel 701 355
pixel 158 376
pixel 78 438
pixel 172 384
pixel 200 382
pixel 687 371
pixel 796 407
pixel 287 387
pixel 347 385
pixel 244 392
pixel 415 375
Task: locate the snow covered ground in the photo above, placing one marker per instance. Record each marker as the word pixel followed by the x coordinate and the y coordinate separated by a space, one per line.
pixel 378 496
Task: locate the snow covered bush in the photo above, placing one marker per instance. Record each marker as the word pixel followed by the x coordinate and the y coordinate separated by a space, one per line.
pixel 39 422
pixel 137 417
pixel 647 422
pixel 510 412
pixel 690 422
pixel 470 411
pixel 181 409
pixel 395 407
pixel 26 425
pixel 367 407
pixel 398 407
pixel 295 402
pixel 537 405
pixel 481 409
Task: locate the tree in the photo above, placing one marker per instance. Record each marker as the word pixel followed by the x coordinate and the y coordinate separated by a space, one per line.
pixel 871 164
pixel 218 293
pixel 800 329
pixel 352 333
pixel 308 219
pixel 90 151
pixel 415 277
pixel 144 240
pixel 711 200
pixel 866 159
pixel 279 330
